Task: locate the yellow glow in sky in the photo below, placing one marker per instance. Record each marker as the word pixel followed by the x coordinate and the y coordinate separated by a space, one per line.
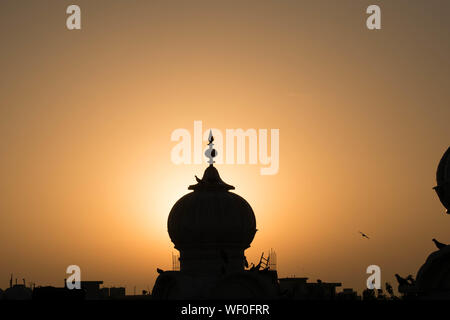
pixel 86 119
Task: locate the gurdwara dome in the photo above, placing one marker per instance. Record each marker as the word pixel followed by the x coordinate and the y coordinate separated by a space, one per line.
pixel 211 215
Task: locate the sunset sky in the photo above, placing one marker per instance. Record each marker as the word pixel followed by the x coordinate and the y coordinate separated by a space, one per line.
pixel 86 118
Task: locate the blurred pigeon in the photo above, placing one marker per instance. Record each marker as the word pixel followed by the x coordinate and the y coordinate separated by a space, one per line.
pixel 401 281
pixel 438 244
pixel 160 271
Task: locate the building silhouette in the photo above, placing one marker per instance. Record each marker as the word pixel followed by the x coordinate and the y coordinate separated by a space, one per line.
pixel 300 289
pixel 90 290
pixel 433 277
pixel 212 227
pixel 17 291
pixel 348 294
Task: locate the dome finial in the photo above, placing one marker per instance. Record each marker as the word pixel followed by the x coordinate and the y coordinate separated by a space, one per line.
pixel 211 179
pixel 210 153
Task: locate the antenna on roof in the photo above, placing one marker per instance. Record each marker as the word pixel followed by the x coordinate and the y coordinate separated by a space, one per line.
pixel 272 259
pixel 175 262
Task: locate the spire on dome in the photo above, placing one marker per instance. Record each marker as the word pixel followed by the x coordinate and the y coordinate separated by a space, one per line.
pixel 211 153
pixel 211 179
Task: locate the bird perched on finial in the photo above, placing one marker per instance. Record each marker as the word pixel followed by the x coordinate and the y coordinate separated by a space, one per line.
pixel 438 244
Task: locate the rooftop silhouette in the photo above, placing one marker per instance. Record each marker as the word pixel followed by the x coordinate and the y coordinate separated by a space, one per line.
pixel 211 227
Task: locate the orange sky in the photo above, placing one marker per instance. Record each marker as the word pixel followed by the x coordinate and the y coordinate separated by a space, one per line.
pixel 86 118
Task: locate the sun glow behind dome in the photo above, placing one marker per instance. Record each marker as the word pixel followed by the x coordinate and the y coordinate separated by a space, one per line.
pixel 361 131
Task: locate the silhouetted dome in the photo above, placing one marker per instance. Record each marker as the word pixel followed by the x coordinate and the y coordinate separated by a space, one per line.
pixel 443 180
pixel 434 275
pixel 443 171
pixel 211 215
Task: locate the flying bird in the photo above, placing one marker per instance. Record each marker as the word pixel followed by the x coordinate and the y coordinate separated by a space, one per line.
pixel 364 235
pixel 438 244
